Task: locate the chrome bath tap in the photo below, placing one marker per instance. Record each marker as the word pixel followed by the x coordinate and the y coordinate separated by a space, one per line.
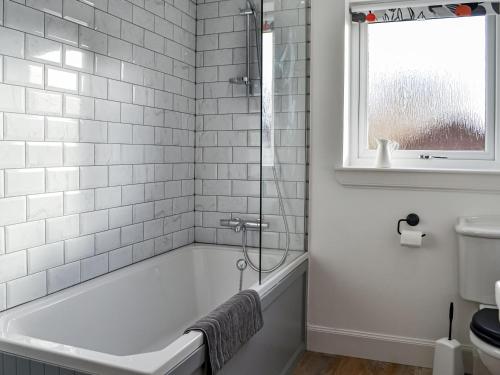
pixel 238 224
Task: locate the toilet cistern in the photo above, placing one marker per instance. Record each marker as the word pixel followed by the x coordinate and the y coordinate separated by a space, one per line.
pixel 478 274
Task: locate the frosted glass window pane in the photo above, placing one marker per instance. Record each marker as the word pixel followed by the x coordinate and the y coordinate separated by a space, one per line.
pixel 426 84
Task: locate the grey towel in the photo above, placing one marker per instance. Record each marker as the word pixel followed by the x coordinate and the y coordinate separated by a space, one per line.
pixel 230 326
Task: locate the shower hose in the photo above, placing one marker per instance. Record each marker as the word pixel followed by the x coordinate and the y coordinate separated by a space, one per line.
pixel 285 222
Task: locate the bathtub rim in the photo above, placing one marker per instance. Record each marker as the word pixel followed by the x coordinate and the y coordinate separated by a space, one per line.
pixel 150 363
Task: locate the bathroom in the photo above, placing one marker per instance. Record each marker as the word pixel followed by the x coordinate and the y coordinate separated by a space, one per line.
pixel 164 162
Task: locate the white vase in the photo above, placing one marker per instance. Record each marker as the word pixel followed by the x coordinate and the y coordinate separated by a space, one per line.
pixel 384 150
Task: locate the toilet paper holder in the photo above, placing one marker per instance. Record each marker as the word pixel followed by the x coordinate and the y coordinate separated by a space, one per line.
pixel 412 220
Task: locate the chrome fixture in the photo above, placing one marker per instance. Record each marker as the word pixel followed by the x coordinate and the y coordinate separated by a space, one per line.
pixel 238 224
pixel 241 225
pixel 249 11
pixel 241 265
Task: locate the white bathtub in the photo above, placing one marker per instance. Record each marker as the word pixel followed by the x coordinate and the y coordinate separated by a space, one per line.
pixel 131 321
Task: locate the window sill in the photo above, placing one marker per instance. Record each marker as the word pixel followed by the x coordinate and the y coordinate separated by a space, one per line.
pixel 420 179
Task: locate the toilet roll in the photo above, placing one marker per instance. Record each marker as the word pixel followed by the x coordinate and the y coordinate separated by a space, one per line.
pixel 411 238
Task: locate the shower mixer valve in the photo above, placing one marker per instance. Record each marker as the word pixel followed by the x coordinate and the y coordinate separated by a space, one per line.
pixel 238 224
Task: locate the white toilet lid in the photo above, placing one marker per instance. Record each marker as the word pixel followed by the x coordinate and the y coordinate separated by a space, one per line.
pixel 483 346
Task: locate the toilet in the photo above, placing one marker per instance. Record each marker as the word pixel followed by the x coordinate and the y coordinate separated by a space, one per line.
pixel 479 270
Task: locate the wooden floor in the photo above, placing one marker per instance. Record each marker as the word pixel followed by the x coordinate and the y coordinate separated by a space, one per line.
pixel 324 364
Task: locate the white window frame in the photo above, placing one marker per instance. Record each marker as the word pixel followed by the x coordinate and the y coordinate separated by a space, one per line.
pixel 359 156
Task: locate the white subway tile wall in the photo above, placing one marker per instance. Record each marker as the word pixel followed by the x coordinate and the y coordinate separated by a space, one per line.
pixel 228 124
pixel 90 169
pixel 98 167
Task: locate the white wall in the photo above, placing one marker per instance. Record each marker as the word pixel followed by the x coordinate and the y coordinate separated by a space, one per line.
pixel 370 297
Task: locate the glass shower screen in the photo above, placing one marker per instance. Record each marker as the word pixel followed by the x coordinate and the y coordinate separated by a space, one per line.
pixel 283 53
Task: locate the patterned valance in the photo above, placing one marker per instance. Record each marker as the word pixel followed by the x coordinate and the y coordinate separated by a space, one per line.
pixel 427 12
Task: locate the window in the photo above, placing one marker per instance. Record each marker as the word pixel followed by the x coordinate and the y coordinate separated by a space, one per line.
pixel 427 85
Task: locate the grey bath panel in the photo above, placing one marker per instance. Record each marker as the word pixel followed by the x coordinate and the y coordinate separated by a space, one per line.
pixel 37 368
pixel 269 352
pixel 52 370
pixel 12 365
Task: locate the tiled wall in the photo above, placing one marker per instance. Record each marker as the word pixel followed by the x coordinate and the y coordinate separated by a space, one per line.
pixel 228 124
pixel 97 120
pixel 97 134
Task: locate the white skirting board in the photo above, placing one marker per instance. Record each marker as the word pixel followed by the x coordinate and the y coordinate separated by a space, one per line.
pixel 375 346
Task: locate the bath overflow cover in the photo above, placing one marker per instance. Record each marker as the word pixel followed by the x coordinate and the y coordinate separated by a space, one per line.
pixel 241 264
